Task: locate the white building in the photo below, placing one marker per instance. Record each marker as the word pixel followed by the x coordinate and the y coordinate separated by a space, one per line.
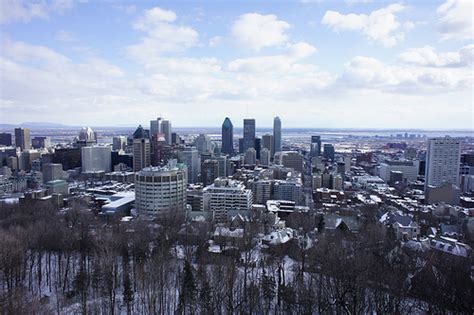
pixel 161 190
pixel 96 159
pixel 408 168
pixel 443 157
pixel 288 190
pixel 226 195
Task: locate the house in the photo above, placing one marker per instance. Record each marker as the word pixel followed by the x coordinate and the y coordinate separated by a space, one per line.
pixel 404 226
pixel 450 246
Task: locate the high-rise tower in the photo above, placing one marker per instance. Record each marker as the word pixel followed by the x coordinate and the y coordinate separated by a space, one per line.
pixel 277 134
pixel 249 134
pixel 227 137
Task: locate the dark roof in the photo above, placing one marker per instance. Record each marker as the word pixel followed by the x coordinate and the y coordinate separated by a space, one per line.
pixel 140 133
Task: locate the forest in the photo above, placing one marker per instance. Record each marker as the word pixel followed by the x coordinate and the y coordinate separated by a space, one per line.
pixel 78 262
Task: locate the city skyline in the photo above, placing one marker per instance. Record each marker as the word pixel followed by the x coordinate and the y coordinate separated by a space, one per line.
pixel 317 64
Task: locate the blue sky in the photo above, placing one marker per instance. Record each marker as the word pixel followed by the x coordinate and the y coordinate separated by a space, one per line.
pixel 358 64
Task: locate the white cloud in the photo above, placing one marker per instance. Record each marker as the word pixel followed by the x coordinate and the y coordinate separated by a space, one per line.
pixel 427 56
pixel 162 36
pixel 257 31
pixel 370 73
pixel 64 36
pixel 18 10
pixel 456 19
pixel 379 26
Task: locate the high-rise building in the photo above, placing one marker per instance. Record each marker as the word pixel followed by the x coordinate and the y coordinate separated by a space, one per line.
pixel 119 143
pixel 250 157
pixel 41 142
pixel 227 137
pixel 141 149
pixel 203 144
pixel 86 137
pixel 161 190
pixel 190 157
pixel 209 171
pixel 265 157
pixel 166 130
pixel 96 159
pixel 329 151
pixel 6 139
pixel 249 134
pixel 155 126
pixel 276 134
pixel 315 146
pixel 226 195
pixel 443 157
pixel 292 160
pixel 268 142
pixel 288 190
pixel 409 169
pixel 22 138
pixel 26 158
pixel 52 171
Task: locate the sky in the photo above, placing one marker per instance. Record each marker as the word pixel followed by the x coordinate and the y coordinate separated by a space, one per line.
pixel 316 64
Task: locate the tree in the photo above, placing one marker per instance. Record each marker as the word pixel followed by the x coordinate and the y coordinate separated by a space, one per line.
pixel 187 295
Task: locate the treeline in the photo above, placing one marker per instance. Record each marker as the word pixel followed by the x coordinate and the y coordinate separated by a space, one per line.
pixel 77 262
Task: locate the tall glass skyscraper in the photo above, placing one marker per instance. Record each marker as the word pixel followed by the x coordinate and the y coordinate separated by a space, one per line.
pixel 277 134
pixel 227 137
pixel 249 134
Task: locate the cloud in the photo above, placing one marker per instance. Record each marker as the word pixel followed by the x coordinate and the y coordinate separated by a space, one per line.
pixel 379 26
pixel 23 11
pixel 456 19
pixel 162 36
pixel 427 56
pixel 256 31
pixel 370 73
pixel 64 36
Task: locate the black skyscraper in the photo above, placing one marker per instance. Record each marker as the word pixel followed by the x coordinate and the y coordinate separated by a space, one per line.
pixel 227 137
pixel 249 134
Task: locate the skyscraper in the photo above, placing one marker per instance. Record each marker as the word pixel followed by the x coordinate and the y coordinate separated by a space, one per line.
pixel 227 137
pixel 22 138
pixel 155 126
pixel 190 157
pixel 166 130
pixel 276 134
pixel 5 139
pixel 443 157
pixel 141 149
pixel 315 146
pixel 249 134
pixel 329 151
pixel 96 159
pixel 267 142
pixel 203 144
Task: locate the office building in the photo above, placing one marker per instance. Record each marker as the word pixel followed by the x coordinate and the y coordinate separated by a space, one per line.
pixel 52 171
pixel 315 146
pixel 87 137
pixel 292 160
pixel 329 151
pixel 277 135
pixel 190 157
pixel 268 143
pixel 141 149
pixel 155 126
pixel 250 157
pixel 288 190
pixel 409 169
pixel 161 191
pixel 249 134
pixel 227 137
pixel 22 138
pixel 69 157
pixel 26 158
pixel 6 139
pixel 224 196
pixel 41 142
pixel 203 144
pixel 209 171
pixel 119 143
pixel 96 159
pixel 265 157
pixel 166 131
pixel 443 157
